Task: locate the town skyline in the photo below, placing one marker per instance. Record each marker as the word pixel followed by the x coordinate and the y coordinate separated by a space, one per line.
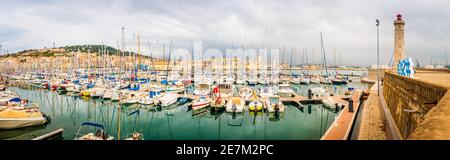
pixel 347 29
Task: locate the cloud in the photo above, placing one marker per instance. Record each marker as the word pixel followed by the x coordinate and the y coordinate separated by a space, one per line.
pixel 348 26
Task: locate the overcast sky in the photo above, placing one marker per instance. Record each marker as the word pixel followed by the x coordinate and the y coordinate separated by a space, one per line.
pixel 348 26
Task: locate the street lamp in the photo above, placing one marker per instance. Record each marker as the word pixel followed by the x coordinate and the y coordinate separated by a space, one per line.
pixel 378 57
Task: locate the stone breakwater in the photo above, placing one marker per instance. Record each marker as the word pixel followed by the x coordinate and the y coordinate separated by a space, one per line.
pixel 413 102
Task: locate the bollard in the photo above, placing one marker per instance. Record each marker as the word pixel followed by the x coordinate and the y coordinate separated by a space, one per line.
pixel 309 93
pixel 350 105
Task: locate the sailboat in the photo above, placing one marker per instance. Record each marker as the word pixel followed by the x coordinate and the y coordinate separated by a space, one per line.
pixel 168 98
pixel 320 91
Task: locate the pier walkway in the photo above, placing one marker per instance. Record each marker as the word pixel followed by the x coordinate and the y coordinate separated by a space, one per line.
pixel 371 127
pixel 340 128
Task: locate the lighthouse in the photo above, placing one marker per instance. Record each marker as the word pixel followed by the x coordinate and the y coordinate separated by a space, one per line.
pixel 399 41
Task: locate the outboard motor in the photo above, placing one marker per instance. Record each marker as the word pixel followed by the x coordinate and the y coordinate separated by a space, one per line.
pixel 101 133
pixel 47 118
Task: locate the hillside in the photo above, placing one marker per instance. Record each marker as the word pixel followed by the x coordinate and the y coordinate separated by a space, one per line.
pixel 47 52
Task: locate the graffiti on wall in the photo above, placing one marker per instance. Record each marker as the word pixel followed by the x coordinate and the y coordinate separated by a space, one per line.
pixel 405 67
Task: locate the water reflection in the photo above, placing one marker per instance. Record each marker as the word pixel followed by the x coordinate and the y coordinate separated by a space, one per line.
pixel 172 122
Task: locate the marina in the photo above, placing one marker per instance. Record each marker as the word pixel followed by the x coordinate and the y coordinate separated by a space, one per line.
pixel 223 71
pixel 177 121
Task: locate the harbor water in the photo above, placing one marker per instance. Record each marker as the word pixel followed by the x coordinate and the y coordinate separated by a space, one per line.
pixel 176 122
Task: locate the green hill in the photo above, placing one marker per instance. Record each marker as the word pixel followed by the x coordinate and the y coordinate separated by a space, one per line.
pixel 67 49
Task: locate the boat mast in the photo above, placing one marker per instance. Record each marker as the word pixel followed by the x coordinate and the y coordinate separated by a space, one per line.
pixel 168 64
pixel 323 51
pixel 151 58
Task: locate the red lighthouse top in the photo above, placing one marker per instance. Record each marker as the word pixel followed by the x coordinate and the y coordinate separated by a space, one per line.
pixel 399 17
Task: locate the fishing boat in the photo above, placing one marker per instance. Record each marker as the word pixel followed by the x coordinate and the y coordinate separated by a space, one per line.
pixel 99 135
pixel 274 104
pixel 245 93
pixel 235 104
pixel 218 103
pixel 201 103
pixel 255 105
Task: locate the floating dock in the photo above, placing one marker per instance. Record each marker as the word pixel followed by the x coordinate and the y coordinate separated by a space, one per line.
pixel 50 135
pixel 341 127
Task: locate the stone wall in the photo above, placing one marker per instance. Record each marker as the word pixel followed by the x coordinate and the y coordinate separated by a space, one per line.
pixel 409 100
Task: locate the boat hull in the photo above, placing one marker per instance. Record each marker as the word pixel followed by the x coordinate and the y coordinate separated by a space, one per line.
pixel 13 123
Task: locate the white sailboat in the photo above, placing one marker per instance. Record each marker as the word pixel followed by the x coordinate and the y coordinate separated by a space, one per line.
pixel 285 90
